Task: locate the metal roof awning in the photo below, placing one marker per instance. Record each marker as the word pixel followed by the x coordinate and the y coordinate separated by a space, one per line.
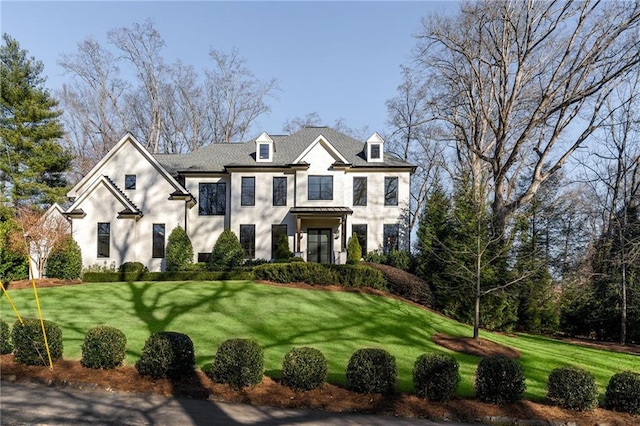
pixel 320 211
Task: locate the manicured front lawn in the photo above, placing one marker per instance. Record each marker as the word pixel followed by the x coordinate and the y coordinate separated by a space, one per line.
pixel 281 318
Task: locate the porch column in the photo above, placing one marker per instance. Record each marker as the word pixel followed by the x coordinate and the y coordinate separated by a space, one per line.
pixel 298 234
pixel 344 232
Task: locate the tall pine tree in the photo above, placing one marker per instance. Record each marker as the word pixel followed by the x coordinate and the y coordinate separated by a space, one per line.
pixel 32 162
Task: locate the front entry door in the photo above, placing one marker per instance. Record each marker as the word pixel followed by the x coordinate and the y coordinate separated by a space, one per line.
pixel 319 245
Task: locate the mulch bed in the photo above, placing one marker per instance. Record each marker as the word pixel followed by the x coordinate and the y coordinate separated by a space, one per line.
pixel 269 392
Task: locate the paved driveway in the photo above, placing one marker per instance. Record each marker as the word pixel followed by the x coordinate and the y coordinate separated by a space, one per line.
pixel 28 404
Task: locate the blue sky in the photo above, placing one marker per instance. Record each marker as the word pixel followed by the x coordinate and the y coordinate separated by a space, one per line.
pixel 339 59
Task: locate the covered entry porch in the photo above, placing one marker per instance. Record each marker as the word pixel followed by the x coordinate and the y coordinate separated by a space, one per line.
pixel 321 233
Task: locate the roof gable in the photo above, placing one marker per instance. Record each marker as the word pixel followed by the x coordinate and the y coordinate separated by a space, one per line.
pixel 322 141
pixel 127 140
pixel 103 182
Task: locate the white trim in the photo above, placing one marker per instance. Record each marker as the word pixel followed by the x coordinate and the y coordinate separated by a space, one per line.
pixel 127 138
pixel 104 180
pixel 325 143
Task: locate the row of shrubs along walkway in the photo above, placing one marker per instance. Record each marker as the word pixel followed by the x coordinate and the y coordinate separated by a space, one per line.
pixel 240 363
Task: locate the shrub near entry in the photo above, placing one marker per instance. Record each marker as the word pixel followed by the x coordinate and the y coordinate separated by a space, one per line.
pixel 28 341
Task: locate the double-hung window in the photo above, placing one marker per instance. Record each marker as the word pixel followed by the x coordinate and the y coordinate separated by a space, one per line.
pixel 279 191
pixel 359 191
pixel 248 191
pixel 157 250
pixel 390 191
pixel 104 239
pixel 213 199
pixel 320 188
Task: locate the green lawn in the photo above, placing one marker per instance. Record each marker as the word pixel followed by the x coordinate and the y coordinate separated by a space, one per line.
pixel 281 318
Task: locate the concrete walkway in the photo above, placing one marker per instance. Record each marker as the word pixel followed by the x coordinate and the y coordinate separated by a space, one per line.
pixel 29 404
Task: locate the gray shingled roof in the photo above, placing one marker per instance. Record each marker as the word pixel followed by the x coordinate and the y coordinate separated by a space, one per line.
pixel 215 157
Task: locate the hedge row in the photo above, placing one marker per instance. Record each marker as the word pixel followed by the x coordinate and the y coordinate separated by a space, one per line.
pixel 240 363
pixel 110 277
pixel 353 276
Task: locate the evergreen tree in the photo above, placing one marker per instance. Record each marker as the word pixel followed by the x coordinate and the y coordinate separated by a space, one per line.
pixel 434 231
pixel 354 251
pixel 33 163
pixel 227 252
pixel 179 250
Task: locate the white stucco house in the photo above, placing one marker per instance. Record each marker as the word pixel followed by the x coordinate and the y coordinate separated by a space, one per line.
pixel 315 186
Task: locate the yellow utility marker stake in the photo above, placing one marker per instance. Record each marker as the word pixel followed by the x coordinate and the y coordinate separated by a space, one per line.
pixel 6 293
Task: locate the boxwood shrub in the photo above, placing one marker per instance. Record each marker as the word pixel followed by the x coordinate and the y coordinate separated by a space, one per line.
pixel 5 338
pixel 499 380
pixel 304 368
pixel 167 354
pixel 372 370
pixel 28 341
pixel 103 347
pixel 436 377
pixel 353 276
pixel 111 277
pixel 238 362
pixel 623 392
pixel 572 388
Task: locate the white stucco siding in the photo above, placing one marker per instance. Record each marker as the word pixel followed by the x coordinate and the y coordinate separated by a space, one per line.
pixel 320 164
pixel 263 214
pixel 376 214
pixel 122 231
pixel 205 230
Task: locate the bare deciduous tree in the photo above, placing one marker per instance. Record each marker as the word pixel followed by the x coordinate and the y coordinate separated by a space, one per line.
pixel 520 86
pixel 414 139
pixel 140 45
pixel 41 232
pixel 128 86
pixel 235 97
pixel 613 166
pixel 94 112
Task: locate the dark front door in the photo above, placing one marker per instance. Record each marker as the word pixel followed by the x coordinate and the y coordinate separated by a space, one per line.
pixel 319 245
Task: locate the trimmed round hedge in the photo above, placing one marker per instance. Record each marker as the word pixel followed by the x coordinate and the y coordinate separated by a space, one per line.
pixel 238 363
pixel 103 347
pixel 572 388
pixel 5 338
pixel 499 380
pixel 304 369
pixel 372 370
pixel 28 341
pixel 167 354
pixel 436 377
pixel 623 392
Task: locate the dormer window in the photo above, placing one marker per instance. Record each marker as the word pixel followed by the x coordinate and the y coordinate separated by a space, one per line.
pixel 264 149
pixel 374 149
